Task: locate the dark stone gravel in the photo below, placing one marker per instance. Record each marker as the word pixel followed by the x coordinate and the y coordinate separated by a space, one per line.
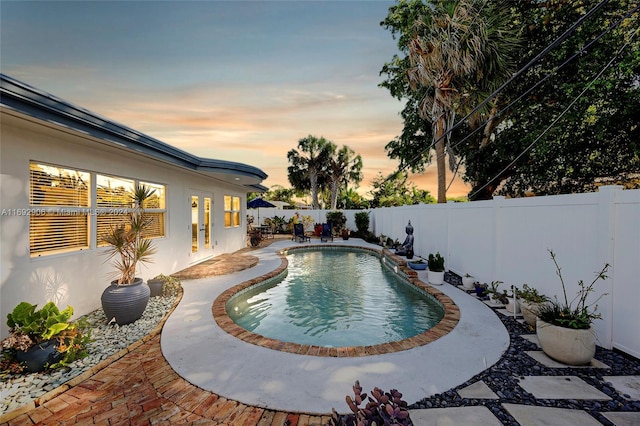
pixel 503 377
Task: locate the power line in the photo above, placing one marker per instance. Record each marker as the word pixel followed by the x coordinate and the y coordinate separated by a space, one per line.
pixel 559 116
pixel 521 71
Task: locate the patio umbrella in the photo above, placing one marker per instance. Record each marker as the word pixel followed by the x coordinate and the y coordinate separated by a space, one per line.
pixel 256 203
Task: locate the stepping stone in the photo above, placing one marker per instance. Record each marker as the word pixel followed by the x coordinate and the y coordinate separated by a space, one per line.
pixel 560 387
pixel 533 338
pixel 622 418
pixel 529 415
pixel 477 390
pixel 544 359
pixel 626 385
pixel 458 416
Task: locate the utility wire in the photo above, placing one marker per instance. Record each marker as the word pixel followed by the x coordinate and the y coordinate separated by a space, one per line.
pixel 532 144
pixel 550 74
pixel 521 71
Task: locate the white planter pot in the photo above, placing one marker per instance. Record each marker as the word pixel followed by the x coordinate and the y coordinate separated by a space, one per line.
pixel 436 278
pixel 467 283
pixel 529 311
pixel 512 306
pixel 566 345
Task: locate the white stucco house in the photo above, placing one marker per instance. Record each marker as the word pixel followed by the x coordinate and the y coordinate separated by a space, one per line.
pixel 63 172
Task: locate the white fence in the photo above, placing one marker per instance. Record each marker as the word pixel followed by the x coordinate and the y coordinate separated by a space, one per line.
pixel 508 240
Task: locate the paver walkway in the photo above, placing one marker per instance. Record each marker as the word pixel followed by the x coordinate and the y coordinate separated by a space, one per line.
pixel 141 388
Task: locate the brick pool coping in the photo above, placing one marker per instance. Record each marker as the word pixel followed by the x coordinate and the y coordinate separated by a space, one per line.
pixel 446 324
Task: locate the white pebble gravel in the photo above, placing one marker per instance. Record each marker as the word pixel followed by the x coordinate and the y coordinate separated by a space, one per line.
pixel 18 390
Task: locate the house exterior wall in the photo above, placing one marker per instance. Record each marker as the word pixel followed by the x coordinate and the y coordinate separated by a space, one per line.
pixel 78 278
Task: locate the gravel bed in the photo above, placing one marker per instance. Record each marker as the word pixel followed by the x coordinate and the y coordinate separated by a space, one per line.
pixel 18 390
pixel 502 378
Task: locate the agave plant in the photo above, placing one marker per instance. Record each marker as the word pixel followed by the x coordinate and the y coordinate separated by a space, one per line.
pixel 127 241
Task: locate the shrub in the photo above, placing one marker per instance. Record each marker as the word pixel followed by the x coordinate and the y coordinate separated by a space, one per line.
pixel 337 220
pixel 362 222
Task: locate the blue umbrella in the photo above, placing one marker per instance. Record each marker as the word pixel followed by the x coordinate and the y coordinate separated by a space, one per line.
pixel 256 203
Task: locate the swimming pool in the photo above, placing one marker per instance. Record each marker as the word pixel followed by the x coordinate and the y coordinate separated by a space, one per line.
pixel 335 298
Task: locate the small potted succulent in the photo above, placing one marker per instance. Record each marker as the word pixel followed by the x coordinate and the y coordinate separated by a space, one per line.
pixel 43 338
pixel 481 289
pixel 467 281
pixel 436 268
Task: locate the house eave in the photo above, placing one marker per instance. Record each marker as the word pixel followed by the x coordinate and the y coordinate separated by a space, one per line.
pixel 28 100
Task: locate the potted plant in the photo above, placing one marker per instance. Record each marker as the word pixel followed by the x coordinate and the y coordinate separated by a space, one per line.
pixel 43 338
pixel 436 269
pixel 495 295
pixel 418 264
pixel 530 302
pixel 481 289
pixel 338 220
pixel 126 298
pixel 317 229
pixel 345 234
pixel 467 281
pixel 564 329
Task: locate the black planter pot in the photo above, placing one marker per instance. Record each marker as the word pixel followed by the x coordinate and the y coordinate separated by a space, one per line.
pixel 155 285
pixel 37 357
pixel 126 303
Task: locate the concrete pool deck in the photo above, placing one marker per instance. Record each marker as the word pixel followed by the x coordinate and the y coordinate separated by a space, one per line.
pixel 208 357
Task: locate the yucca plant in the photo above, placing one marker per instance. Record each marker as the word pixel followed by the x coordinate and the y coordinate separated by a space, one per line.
pixel 128 245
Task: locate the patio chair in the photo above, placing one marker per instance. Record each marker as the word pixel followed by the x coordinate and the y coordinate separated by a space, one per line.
pixel 327 233
pixel 298 233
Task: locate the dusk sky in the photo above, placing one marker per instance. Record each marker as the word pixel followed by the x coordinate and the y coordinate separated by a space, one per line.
pixel 231 80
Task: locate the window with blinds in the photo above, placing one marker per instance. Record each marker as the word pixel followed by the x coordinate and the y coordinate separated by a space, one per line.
pixel 231 211
pixel 59 213
pixel 114 205
pixel 62 211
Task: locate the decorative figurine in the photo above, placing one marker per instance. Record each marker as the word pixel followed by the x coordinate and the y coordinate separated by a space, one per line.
pixel 406 249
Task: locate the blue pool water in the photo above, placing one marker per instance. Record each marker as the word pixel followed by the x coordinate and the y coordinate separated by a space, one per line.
pixel 335 298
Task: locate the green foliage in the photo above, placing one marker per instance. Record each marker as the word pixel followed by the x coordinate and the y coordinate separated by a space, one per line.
pixel 30 326
pixel 277 224
pixel 394 190
pixel 344 167
pixel 436 262
pixel 531 295
pixel 596 141
pixel 337 220
pixel 564 313
pixel 127 241
pixel 382 408
pixel 309 165
pixel 42 324
pixel 362 221
pixel 457 52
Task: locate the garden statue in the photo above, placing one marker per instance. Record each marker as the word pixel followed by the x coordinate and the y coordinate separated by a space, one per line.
pixel 406 249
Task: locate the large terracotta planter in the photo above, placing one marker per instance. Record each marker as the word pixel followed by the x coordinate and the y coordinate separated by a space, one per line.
pixel 126 303
pixel 566 345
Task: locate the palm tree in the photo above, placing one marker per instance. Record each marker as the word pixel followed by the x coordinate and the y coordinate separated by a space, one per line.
pixel 344 167
pixel 307 172
pixel 459 51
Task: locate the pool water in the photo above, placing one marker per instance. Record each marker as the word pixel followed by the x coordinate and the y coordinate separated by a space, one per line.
pixel 335 298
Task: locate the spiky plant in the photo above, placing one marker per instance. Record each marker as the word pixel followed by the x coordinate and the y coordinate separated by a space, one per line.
pixel 127 241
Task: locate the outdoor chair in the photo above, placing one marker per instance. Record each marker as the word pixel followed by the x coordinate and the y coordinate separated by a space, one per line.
pixel 327 233
pixel 298 233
